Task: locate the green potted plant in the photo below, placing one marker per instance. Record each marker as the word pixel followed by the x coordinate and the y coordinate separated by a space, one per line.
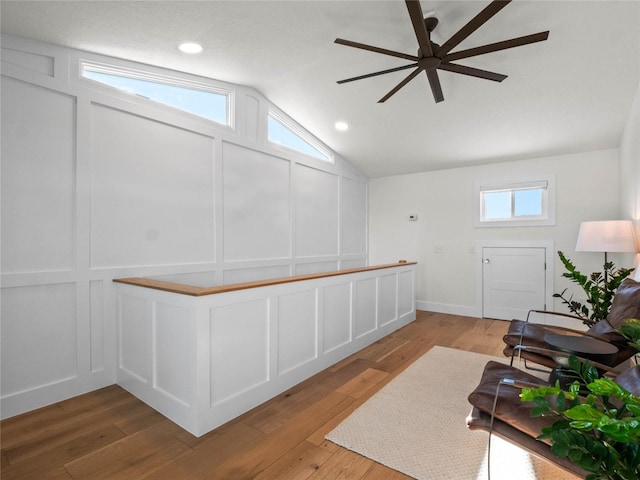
pixel 631 331
pixel 599 288
pixel 598 424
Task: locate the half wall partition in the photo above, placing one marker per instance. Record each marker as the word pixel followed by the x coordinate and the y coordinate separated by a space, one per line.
pixel 202 356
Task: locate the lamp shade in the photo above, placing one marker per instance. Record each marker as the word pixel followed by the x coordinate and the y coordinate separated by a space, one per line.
pixel 606 236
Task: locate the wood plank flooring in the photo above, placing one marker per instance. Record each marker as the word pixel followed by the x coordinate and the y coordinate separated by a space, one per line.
pixel 109 434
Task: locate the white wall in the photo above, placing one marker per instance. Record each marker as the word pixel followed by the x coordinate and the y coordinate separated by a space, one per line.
pixel 98 184
pixel 586 189
pixel 630 171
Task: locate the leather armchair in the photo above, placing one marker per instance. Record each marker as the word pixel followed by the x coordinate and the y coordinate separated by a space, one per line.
pixel 497 409
pixel 626 304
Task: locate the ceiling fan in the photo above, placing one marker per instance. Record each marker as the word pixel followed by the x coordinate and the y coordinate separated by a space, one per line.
pixel 432 57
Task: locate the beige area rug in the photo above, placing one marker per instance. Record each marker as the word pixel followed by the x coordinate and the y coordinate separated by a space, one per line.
pixel 416 424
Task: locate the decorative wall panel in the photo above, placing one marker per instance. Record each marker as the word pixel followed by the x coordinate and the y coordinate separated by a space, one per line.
pixel 297 330
pixel 135 337
pixel 252 116
pixel 256 205
pixel 336 308
pixel 387 298
pixel 253 274
pixel 39 341
pixel 152 190
pixel 315 267
pixel 173 374
pixel 365 315
pixel 353 263
pixel 98 184
pixel 248 321
pixel 32 62
pixel 38 178
pixel 354 217
pixel 406 293
pixel 96 325
pixel 317 216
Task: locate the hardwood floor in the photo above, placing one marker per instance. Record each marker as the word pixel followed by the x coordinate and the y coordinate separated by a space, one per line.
pixel 112 435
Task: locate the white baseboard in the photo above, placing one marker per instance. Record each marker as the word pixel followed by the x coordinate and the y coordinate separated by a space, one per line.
pixel 41 396
pixel 448 308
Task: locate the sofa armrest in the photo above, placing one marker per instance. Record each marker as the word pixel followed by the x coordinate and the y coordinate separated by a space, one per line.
pixel 549 312
pixel 555 354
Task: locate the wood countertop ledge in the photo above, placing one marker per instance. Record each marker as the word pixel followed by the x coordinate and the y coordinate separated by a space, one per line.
pixel 201 291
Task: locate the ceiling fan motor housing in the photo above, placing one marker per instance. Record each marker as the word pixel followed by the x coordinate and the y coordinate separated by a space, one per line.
pixel 431 23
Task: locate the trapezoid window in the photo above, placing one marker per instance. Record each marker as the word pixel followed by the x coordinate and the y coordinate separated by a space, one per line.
pixel 284 134
pixel 198 99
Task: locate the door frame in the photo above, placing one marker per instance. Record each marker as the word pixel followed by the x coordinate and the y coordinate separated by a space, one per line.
pixel 550 252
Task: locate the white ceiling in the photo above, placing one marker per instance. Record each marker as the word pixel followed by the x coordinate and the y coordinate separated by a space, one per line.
pixel 569 94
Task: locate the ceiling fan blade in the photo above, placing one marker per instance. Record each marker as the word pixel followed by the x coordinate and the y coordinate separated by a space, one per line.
pixel 475 23
pixel 417 20
pixel 494 47
pixel 371 48
pixel 397 69
pixel 410 77
pixel 434 83
pixel 473 72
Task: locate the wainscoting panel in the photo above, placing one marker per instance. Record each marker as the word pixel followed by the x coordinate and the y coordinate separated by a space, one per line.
pixel 406 293
pixel 387 298
pixel 136 337
pixel 252 274
pixel 353 223
pixel 152 192
pixel 248 345
pixel 98 184
pixel 366 311
pixel 297 330
pixel 252 124
pixel 97 325
pixel 353 263
pixel 315 267
pixel 29 62
pixel 172 372
pixel 336 316
pixel 39 344
pixel 240 334
pixel 257 217
pixel 317 216
pixel 38 178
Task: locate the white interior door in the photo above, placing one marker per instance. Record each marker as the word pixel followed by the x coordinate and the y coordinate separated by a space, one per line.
pixel 513 281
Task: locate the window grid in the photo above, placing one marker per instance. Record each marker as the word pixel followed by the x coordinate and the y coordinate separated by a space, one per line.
pixel 513 204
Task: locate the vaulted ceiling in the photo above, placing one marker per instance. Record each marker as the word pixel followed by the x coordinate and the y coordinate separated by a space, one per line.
pixel 571 93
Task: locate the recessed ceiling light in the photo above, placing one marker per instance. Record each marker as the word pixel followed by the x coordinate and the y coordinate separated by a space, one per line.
pixel 190 47
pixel 342 126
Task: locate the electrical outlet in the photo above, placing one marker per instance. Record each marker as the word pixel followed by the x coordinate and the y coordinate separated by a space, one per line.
pixel 438 249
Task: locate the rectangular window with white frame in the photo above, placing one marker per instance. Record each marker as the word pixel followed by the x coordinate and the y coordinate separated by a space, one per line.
pixel 516 203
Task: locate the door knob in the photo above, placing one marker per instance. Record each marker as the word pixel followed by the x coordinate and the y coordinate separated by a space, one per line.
pixel 486 260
